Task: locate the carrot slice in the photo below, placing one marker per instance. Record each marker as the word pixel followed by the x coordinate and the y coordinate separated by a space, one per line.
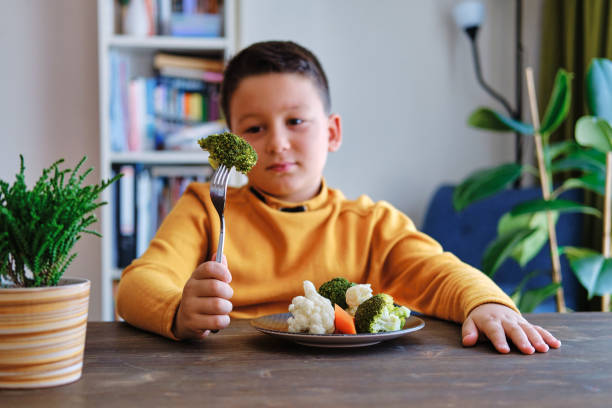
pixel 345 323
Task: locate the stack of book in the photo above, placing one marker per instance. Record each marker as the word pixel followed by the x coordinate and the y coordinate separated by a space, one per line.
pixel 143 197
pixel 169 111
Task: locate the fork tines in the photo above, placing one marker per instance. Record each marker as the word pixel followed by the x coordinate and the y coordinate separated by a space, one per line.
pixel 220 178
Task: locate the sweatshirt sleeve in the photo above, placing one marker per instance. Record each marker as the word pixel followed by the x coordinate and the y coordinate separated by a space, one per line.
pixel 151 287
pixel 414 269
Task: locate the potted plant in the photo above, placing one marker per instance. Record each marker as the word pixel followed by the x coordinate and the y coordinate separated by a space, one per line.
pixel 43 317
pixel 524 230
pixel 519 223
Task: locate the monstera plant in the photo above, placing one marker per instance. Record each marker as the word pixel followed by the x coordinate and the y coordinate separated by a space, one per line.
pixel 528 226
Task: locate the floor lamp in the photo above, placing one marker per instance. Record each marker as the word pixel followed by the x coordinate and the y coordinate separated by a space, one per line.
pixel 469 16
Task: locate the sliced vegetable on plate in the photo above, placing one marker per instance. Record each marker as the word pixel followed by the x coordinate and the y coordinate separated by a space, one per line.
pixel 352 307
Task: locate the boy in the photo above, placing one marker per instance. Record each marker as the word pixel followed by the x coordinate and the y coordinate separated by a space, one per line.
pixel 287 226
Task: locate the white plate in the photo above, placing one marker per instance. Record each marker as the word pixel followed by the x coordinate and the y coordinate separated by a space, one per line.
pixel 276 325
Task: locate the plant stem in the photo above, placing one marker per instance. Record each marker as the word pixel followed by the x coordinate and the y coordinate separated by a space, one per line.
pixel 605 242
pixel 545 186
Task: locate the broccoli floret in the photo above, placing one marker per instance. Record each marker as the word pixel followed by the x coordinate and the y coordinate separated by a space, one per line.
pixel 231 150
pixel 403 313
pixel 379 314
pixel 335 291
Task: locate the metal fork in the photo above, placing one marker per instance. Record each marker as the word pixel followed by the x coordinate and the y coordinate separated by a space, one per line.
pixel 218 189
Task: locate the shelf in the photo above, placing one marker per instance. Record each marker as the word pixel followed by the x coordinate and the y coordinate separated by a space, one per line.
pixel 168 42
pixel 138 51
pixel 160 157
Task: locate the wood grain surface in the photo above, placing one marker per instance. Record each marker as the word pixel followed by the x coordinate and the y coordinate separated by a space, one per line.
pixel 240 367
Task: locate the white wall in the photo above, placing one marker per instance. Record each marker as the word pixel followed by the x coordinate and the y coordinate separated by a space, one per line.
pixel 49 100
pixel 401 77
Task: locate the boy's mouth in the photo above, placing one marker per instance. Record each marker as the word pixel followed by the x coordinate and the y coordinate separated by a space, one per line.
pixel 281 167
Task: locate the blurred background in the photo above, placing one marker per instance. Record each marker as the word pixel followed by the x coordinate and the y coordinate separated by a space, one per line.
pixel 401 76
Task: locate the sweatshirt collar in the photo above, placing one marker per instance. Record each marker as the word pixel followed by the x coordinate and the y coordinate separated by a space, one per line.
pixel 314 203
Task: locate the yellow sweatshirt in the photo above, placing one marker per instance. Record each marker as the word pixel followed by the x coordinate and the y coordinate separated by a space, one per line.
pixel 270 252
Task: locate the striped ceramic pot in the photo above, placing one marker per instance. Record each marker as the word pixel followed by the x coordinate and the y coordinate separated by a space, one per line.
pixel 42 334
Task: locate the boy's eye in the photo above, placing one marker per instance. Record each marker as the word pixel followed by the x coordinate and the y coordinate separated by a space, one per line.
pixel 253 129
pixel 295 121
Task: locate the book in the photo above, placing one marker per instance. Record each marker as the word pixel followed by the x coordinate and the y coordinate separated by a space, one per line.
pixel 165 171
pixel 143 211
pixel 191 73
pixel 214 103
pixel 113 219
pixel 190 24
pixel 151 11
pixel 190 6
pixel 125 216
pixel 149 131
pixel 144 197
pixel 180 105
pixel 164 8
pixel 152 210
pixel 171 181
pixel 119 118
pixel 186 138
pixel 160 209
pixel 136 106
pixel 191 62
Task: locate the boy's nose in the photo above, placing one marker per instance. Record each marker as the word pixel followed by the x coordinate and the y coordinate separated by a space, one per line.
pixel 278 140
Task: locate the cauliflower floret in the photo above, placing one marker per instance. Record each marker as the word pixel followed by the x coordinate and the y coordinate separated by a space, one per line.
pixel 356 295
pixel 312 313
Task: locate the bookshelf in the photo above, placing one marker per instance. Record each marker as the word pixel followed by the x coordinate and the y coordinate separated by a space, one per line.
pixel 139 53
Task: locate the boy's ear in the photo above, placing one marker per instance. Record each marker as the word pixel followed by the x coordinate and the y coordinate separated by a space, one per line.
pixel 335 132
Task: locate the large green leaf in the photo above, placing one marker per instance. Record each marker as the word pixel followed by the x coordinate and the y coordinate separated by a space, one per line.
pixel 560 205
pixel 594 132
pixel 583 159
pixel 589 181
pixel 559 102
pixel 528 300
pixel 484 183
pixel 529 247
pixel 554 150
pixel 533 297
pixel 488 119
pixel 502 248
pixel 599 88
pixel 592 270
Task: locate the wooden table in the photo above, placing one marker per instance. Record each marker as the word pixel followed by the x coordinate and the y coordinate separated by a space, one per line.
pixel 126 367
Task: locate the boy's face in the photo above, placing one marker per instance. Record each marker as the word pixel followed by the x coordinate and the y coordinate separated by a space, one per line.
pixel 283 118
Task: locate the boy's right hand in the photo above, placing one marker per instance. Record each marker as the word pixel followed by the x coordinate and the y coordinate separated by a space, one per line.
pixel 205 303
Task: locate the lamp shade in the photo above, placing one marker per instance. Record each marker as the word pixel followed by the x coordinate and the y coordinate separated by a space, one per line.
pixel 469 14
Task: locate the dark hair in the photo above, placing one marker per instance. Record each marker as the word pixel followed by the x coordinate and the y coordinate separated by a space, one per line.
pixel 272 57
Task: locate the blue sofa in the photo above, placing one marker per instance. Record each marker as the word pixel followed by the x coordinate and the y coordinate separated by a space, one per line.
pixel 467 234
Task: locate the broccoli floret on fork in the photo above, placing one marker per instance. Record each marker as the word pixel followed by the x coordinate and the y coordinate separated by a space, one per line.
pixel 230 150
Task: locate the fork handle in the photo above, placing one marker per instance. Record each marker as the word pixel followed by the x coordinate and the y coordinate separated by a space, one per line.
pixel 220 248
pixel 221 239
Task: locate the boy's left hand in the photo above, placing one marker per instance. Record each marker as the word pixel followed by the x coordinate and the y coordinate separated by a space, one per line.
pixel 498 322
